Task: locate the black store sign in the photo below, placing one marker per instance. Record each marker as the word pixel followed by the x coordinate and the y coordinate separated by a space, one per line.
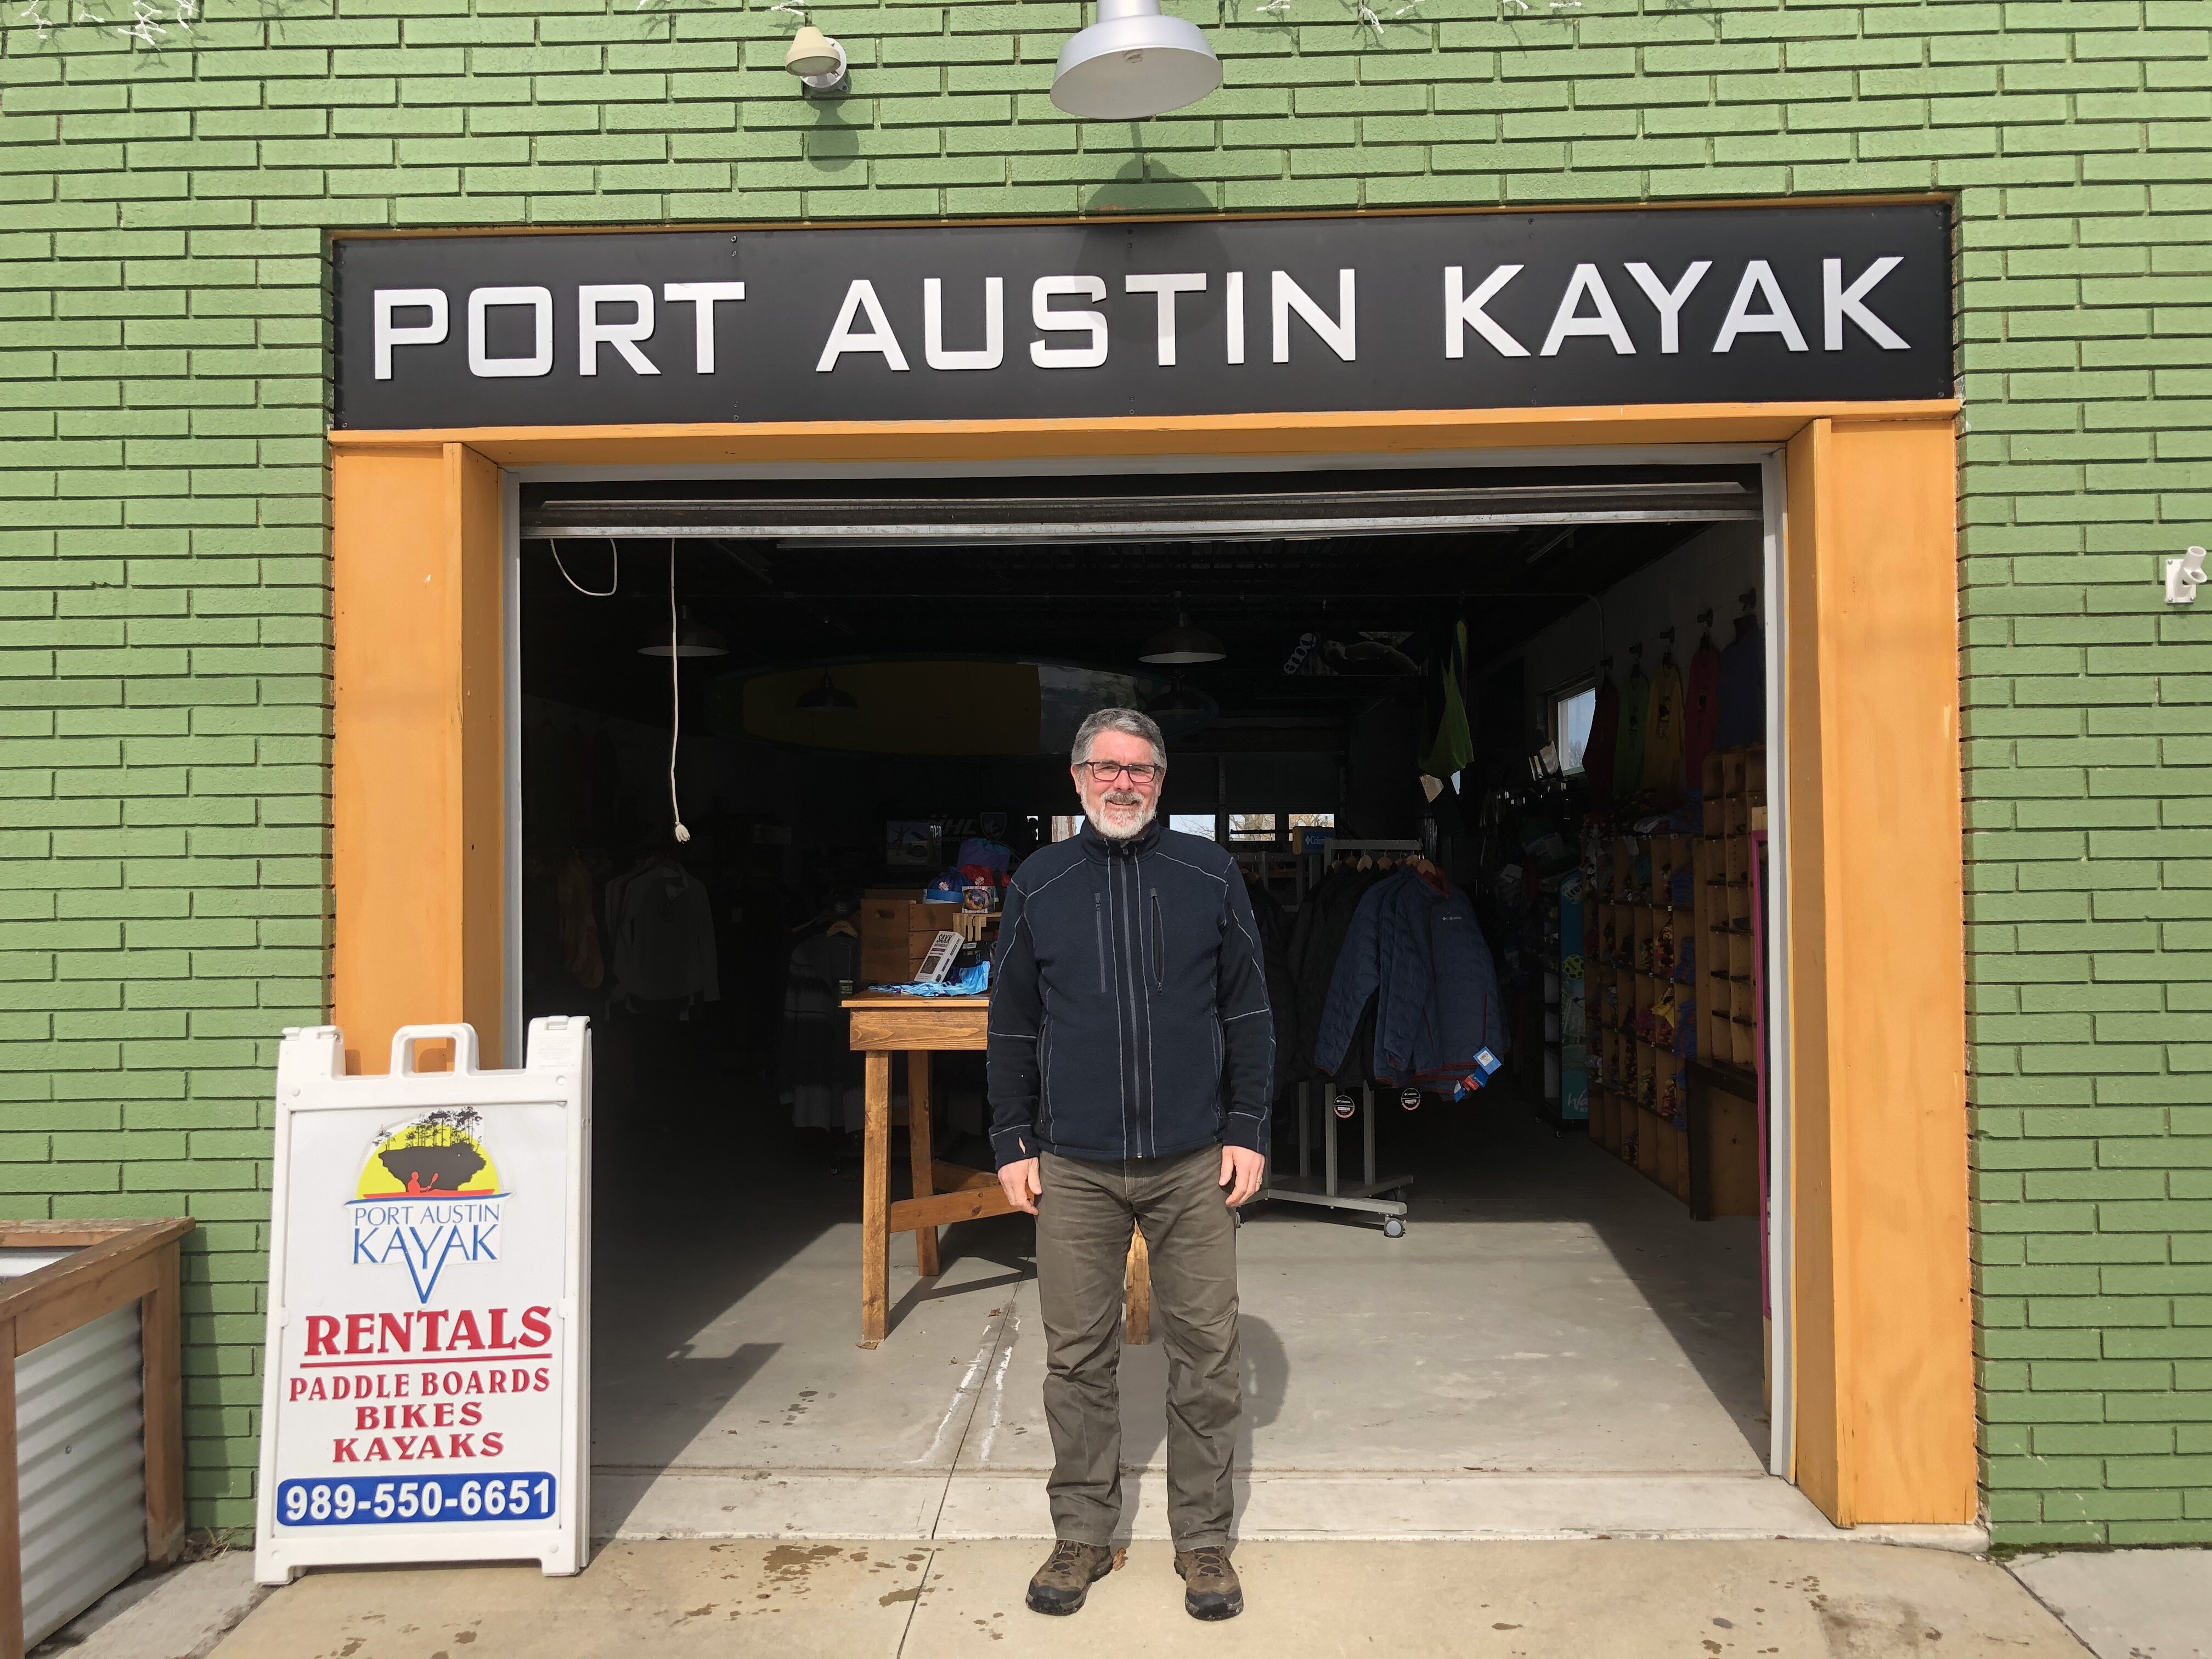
pixel 1475 311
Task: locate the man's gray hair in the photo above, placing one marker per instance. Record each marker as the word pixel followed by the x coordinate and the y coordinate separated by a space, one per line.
pixel 1135 722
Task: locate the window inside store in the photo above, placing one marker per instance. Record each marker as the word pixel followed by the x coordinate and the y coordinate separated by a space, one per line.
pixel 1571 714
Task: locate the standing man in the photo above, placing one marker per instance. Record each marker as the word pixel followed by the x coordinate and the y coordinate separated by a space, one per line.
pixel 1132 1060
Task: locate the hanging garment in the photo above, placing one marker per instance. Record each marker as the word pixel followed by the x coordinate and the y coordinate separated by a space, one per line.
pixel 1662 730
pixel 1742 688
pixel 819 1073
pixel 1628 754
pixel 1316 945
pixel 1451 744
pixel 1701 711
pixel 1418 956
pixel 662 924
pixel 580 922
pixel 1604 737
pixel 1448 810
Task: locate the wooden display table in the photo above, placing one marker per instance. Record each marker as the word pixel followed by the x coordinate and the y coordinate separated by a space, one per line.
pixel 883 1024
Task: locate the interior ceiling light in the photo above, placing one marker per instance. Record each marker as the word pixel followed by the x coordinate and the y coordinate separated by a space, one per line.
pixel 692 639
pixel 1183 644
pixel 816 59
pixel 1179 699
pixel 1133 63
pixel 827 699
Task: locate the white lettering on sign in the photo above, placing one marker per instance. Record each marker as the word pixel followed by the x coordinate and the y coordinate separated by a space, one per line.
pixel 995 327
pixel 1339 333
pixel 1669 301
pixel 861 297
pixel 1837 302
pixel 1777 318
pixel 1605 323
pixel 1163 290
pixel 486 367
pixel 389 334
pixel 703 297
pixel 593 330
pixel 1465 311
pixel 1043 293
pixel 1074 331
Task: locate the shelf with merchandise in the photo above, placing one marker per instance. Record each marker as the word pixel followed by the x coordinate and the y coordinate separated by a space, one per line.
pixel 1673 980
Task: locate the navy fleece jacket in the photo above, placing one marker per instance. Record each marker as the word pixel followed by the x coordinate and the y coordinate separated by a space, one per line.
pixel 1129 1012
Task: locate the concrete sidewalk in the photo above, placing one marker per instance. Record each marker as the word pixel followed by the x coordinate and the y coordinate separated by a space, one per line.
pixel 2129 1604
pixel 1624 1600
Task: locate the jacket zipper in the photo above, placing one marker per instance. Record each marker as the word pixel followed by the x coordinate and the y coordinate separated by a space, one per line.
pixel 1098 923
pixel 1159 945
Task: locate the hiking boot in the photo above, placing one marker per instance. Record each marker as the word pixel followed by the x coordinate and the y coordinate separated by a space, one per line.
pixel 1209 1590
pixel 1067 1576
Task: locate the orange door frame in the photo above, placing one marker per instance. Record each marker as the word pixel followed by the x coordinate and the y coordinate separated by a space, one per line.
pixel 1874 908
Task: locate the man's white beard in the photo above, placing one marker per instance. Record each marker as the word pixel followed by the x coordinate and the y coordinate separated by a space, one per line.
pixel 1120 826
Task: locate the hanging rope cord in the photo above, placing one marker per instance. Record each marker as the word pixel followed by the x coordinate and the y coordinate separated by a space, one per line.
pixel 614 575
pixel 675 660
pixel 675 698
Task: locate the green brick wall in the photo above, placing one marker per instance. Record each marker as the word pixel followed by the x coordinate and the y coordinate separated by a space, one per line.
pixel 164 601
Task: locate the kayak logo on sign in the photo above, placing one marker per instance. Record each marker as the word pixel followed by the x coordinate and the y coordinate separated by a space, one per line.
pixel 428 1195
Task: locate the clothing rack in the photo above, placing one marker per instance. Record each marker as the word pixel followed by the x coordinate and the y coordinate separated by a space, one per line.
pixel 1329 1190
pixel 1330 846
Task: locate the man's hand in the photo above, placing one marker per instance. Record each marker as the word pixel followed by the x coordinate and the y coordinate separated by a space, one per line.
pixel 1021 1184
pixel 1240 1170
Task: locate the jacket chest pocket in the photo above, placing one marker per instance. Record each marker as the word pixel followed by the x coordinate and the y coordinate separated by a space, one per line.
pixel 1098 927
pixel 1159 940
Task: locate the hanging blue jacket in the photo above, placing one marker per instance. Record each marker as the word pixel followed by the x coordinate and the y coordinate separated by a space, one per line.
pixel 1423 959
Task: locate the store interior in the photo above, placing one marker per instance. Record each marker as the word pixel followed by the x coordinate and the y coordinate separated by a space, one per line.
pixel 1539 694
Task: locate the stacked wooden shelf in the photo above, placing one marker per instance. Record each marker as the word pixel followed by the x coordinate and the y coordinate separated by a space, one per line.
pixel 1727 977
pixel 1642 905
pixel 1672 994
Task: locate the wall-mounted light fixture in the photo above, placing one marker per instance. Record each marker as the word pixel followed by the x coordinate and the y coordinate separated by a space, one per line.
pixel 1133 63
pixel 2182 576
pixel 818 61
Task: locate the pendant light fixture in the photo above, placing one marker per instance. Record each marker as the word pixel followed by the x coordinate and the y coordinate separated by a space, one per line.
pixel 1178 700
pixel 689 639
pixel 1183 710
pixel 1183 644
pixel 827 699
pixel 1133 61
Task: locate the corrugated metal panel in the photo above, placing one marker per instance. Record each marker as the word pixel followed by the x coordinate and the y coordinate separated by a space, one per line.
pixel 1367 505
pixel 80 1460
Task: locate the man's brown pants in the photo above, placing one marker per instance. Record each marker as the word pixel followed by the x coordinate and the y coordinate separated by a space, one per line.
pixel 1083 1219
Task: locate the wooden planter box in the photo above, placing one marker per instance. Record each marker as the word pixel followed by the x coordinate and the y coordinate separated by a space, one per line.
pixel 91 1415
